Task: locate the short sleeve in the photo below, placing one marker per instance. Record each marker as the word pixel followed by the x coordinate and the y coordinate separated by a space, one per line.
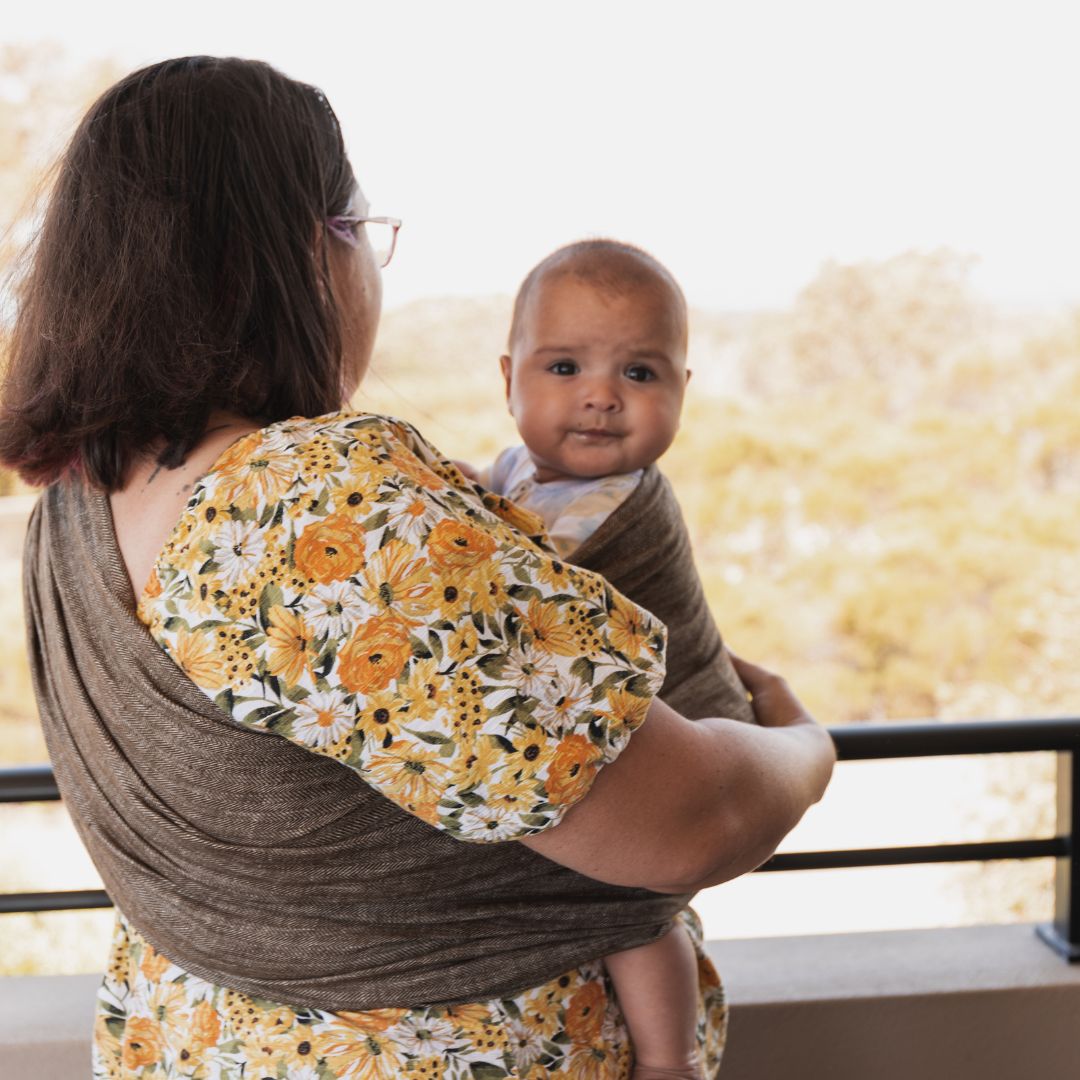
pixel 338 583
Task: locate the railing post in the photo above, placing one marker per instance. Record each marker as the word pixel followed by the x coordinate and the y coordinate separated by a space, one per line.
pixel 1063 934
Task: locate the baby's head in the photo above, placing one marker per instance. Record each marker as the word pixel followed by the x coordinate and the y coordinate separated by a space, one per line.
pixel 596 369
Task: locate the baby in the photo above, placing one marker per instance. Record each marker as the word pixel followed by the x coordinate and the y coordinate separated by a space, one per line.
pixel 595 378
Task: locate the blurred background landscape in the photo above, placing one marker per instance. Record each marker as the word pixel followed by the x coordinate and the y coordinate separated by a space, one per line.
pixel 882 480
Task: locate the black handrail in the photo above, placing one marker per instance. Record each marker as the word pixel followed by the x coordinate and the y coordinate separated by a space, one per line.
pixel 856 742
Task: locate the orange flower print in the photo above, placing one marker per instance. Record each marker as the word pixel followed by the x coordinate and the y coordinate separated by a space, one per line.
pixel 572 769
pixel 549 631
pixel 196 656
pixel 142 1042
pixel 408 463
pixel 205 1024
pixel 374 1020
pixel 453 545
pixel 331 549
pixel 288 640
pixel 398 582
pixel 585 1013
pixel 153 965
pixel 152 589
pixel 375 656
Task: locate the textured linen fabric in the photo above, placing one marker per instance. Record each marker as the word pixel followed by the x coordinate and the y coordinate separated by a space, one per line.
pixel 572 510
pixel 309 661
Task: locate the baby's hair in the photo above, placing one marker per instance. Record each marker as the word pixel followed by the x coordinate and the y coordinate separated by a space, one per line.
pixel 609 265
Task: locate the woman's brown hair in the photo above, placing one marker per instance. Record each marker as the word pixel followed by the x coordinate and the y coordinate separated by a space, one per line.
pixel 177 271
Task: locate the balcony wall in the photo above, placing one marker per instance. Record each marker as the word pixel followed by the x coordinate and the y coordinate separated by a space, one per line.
pixel 981 1003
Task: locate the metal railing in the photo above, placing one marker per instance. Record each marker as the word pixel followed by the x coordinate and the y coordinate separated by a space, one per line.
pixel 853 743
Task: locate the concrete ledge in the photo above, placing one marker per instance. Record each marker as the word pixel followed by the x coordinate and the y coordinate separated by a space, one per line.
pixel 46 1022
pixel 982 1003
pixel 985 1003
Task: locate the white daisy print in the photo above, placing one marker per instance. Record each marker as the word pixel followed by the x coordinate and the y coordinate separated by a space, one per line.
pixel 334 609
pixel 529 672
pixel 493 822
pixel 238 547
pixel 322 719
pixel 425 1036
pixel 526 1044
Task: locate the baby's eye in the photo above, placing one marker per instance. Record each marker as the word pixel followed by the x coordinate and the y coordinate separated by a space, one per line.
pixel 563 367
pixel 640 373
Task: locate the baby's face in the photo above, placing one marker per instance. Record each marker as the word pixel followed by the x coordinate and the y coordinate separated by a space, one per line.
pixel 595 380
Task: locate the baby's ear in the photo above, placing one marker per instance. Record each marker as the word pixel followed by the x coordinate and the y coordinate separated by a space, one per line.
pixel 507 366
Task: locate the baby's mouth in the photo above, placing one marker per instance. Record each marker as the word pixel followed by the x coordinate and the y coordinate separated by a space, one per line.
pixel 595 435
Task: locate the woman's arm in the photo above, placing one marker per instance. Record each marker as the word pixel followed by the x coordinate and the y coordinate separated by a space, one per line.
pixel 691 804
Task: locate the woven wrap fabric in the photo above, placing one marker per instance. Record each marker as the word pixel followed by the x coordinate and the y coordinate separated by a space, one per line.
pixel 643 550
pixel 255 864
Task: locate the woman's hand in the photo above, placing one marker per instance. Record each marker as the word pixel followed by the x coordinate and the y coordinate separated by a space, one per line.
pixel 772 699
pixel 691 804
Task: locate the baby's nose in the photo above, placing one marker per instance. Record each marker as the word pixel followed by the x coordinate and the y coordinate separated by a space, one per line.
pixel 602 395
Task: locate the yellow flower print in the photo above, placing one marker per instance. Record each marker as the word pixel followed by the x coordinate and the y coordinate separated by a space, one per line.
pixel 412 775
pixel 543 1011
pixel 550 634
pixel 398 582
pixel 534 751
pixel 517 517
pixel 625 712
pixel 627 629
pixel 487 588
pixel 198 659
pixel 477 761
pixel 462 642
pixel 381 717
pixel 375 656
pixel 571 771
pixel 297 1047
pixel 424 692
pixel 331 549
pixel 427 1068
pixel 371 1057
pixel 261 1054
pixel 453 545
pixel 555 573
pixel 288 638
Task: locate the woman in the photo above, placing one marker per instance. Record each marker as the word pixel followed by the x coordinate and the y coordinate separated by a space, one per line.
pixel 351 750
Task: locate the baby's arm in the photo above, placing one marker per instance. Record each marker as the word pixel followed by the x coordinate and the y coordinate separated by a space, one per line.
pixel 657 988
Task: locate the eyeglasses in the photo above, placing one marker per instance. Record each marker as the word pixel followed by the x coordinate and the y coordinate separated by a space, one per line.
pixel 381 231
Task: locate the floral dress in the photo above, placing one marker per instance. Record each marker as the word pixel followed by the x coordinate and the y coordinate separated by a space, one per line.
pixel 336 579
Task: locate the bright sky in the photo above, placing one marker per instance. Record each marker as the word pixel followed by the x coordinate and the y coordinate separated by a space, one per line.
pixel 743 143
